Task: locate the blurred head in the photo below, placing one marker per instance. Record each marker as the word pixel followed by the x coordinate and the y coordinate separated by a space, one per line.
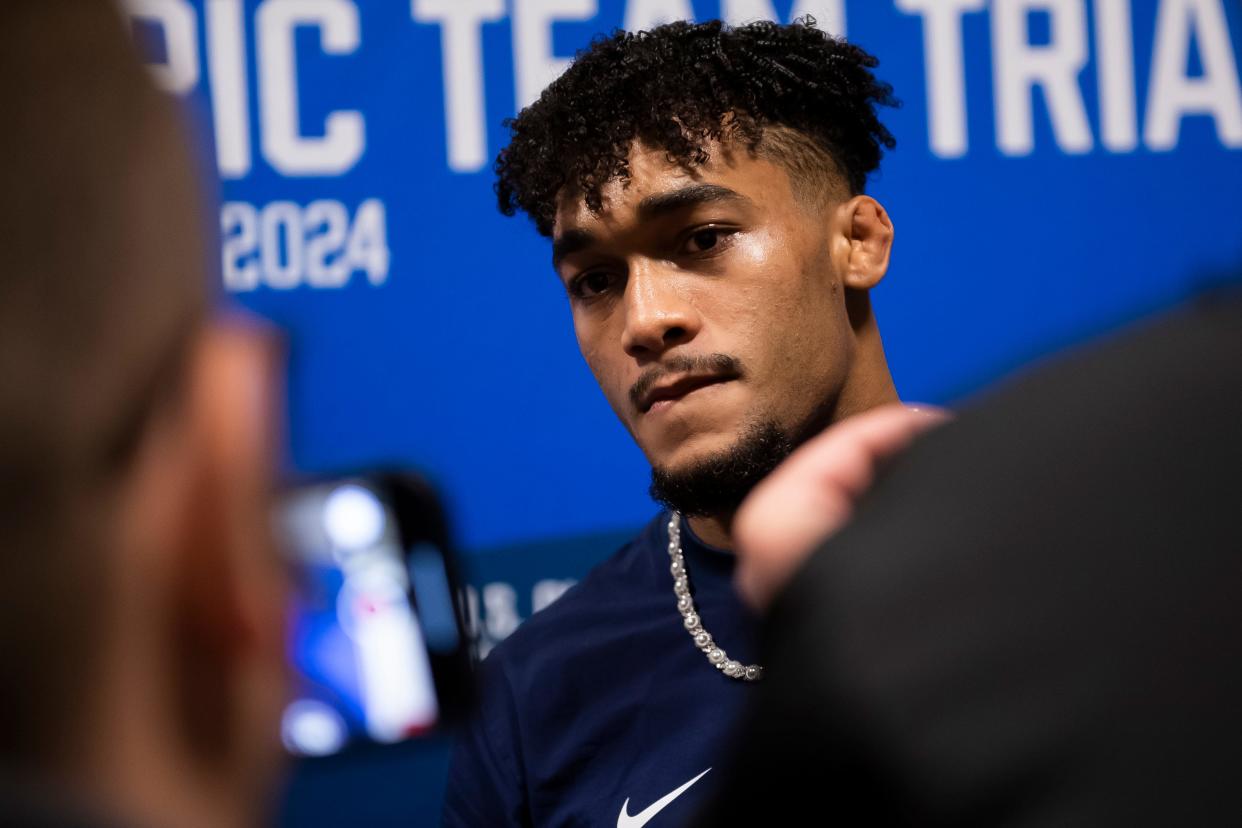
pixel 703 190
pixel 140 602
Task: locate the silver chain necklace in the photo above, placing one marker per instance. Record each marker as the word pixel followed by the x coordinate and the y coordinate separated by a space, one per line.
pixel 690 615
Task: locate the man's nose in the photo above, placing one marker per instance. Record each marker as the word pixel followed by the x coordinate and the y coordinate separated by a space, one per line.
pixel 658 313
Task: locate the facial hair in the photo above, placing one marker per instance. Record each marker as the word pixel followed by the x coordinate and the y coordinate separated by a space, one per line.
pixel 717 484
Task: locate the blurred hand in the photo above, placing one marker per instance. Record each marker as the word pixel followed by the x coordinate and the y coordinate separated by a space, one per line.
pixel 813 493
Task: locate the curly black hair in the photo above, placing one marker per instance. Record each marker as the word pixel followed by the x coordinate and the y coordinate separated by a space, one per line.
pixel 680 86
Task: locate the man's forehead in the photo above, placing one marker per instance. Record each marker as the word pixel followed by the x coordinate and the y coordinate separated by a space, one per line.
pixel 653 175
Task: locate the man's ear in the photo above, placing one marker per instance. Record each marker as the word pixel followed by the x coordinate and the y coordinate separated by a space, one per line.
pixel 228 585
pixel 867 235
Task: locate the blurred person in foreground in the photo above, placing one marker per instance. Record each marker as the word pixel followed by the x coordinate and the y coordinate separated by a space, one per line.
pixel 1034 618
pixel 703 191
pixel 142 607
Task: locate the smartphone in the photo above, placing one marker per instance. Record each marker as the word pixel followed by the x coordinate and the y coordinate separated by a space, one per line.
pixel 377 639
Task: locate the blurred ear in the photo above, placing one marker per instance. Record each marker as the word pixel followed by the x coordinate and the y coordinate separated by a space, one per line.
pixel 228 583
pixel 868 233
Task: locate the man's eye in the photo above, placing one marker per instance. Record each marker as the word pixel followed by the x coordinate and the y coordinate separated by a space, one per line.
pixel 593 284
pixel 708 238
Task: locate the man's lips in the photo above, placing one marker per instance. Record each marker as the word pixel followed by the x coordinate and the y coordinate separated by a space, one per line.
pixel 677 388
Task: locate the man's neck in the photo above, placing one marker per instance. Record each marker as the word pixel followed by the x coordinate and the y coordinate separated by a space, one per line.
pixel 134 760
pixel 713 530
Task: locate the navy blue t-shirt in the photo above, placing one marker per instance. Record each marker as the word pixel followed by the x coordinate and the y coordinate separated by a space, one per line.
pixel 602 703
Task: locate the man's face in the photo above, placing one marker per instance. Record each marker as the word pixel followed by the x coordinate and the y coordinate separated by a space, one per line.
pixel 707 302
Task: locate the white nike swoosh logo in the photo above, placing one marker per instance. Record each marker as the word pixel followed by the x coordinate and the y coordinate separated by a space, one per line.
pixel 624 820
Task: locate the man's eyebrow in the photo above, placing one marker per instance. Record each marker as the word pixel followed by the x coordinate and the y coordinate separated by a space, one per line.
pixel 653 206
pixel 691 195
pixel 571 241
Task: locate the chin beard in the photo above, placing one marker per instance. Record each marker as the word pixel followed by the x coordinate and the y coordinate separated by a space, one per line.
pixel 717 484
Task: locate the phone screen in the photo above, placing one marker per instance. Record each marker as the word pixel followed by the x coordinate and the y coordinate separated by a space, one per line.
pixel 373 609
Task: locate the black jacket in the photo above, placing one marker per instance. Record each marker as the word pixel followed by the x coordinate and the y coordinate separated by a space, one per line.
pixel 1036 616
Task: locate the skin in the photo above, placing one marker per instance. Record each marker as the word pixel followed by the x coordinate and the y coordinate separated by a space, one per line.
pixel 185 708
pixel 726 258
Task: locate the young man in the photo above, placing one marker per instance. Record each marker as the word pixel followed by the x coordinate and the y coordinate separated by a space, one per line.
pixel 702 188
pixel 141 604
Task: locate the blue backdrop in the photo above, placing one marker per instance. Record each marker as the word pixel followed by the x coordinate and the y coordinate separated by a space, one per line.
pixel 1062 166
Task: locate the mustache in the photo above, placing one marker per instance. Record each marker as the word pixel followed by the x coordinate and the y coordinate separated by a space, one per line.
pixel 706 364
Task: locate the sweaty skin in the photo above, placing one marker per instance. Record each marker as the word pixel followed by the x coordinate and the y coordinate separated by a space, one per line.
pixel 724 259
